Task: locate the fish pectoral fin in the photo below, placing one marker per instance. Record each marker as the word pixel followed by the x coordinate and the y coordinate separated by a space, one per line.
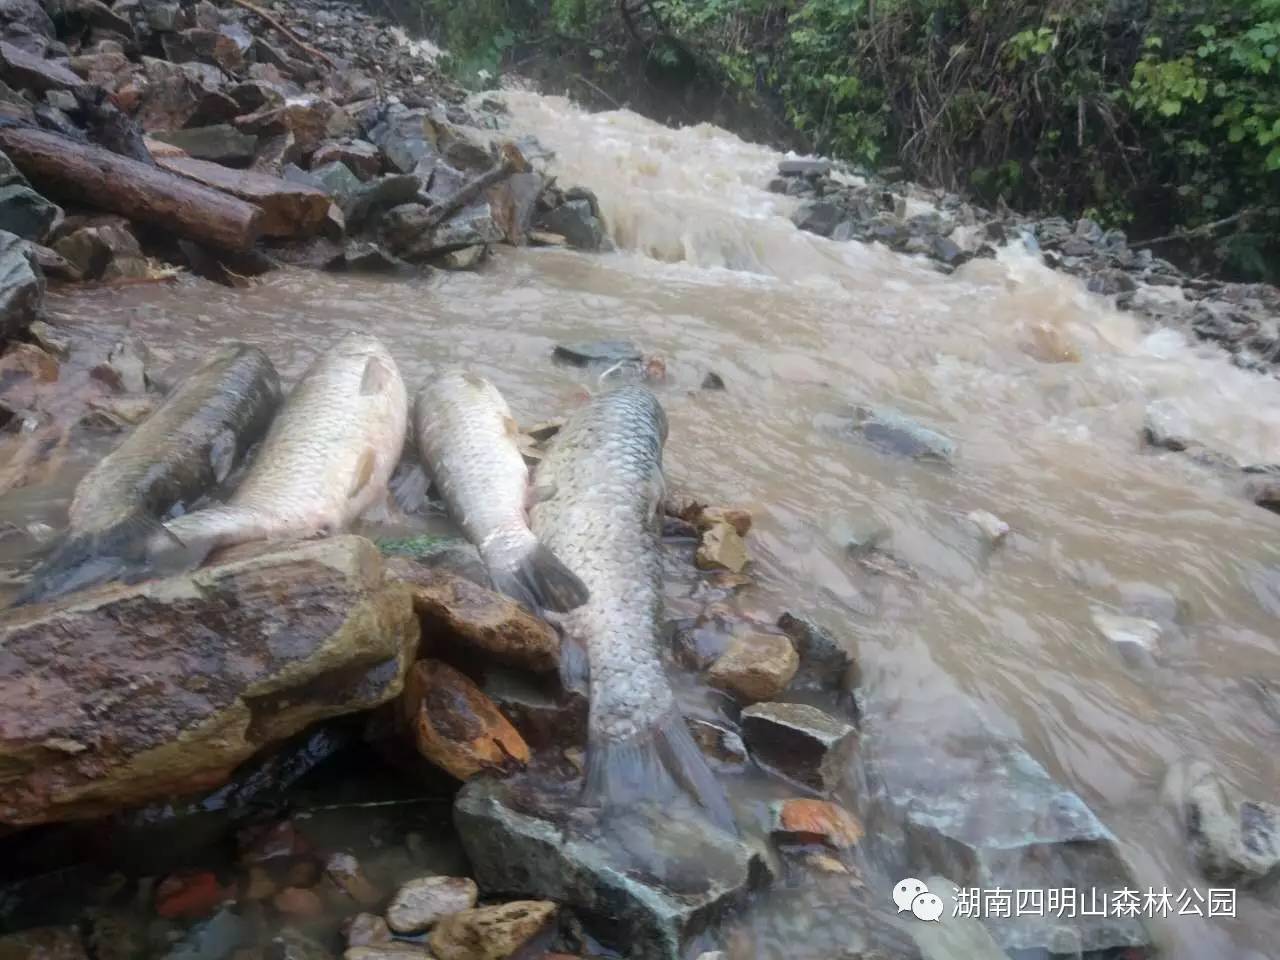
pixel 222 455
pixel 376 378
pixel 363 472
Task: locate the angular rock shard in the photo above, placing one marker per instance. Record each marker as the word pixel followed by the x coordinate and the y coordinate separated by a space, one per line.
pixel 648 883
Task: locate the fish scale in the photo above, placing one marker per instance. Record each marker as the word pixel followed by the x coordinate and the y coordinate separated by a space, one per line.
pixel 598 496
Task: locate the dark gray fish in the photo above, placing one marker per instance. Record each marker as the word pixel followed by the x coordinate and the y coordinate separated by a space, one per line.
pixel 188 446
pixel 467 440
pixel 597 506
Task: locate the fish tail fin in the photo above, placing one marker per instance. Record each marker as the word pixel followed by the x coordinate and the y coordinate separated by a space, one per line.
pixel 537 578
pixel 126 550
pixel 656 764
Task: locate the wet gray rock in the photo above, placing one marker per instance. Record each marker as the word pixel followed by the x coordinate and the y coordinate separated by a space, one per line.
pixel 576 221
pixel 1110 282
pixel 800 743
pixel 363 256
pixel 897 433
pixel 27 214
pixel 1234 839
pixel 584 353
pixel 418 904
pixel 21 285
pixel 463 259
pixel 379 195
pixel 804 168
pixel 220 143
pixel 407 138
pixel 360 157
pixel 986 814
pixel 826 661
pixel 336 179
pixel 104 248
pixel 471 226
pixel 818 216
pixel 26 25
pixel 649 883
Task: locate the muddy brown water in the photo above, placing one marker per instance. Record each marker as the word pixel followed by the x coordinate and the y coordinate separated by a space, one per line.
pixel 711 275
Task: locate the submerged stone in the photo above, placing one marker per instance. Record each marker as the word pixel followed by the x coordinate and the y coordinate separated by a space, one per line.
pixel 421 903
pixel 1234 839
pixel 648 882
pixel 494 933
pixel 800 742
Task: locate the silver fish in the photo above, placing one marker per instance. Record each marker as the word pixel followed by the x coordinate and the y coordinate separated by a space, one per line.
pixel 467 440
pixel 597 505
pixel 181 451
pixel 326 458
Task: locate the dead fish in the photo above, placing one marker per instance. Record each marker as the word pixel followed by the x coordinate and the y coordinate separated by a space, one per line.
pixel 325 460
pixel 468 443
pixel 597 505
pixel 189 445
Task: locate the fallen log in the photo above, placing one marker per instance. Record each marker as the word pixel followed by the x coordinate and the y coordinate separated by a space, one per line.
pixel 289 209
pixel 107 181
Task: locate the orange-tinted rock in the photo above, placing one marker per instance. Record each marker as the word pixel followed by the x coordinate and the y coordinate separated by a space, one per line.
pixel 491 933
pixel 455 725
pixel 453 608
pixel 190 896
pixel 299 903
pixel 755 666
pixel 28 360
pixel 815 821
pixel 191 675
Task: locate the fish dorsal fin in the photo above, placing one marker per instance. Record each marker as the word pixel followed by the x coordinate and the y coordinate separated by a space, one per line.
pixel 376 378
pixel 222 455
pixel 363 472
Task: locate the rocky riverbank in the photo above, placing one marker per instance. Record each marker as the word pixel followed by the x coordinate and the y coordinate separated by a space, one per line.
pixel 150 136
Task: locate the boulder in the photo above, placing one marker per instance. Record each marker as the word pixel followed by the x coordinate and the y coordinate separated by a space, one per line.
pixel 360 157
pixel 21 285
pixel 378 195
pixel 577 222
pixel 896 432
pixel 721 548
pixel 800 743
pixel 1234 840
pixel 407 138
pixel 82 16
pixel 494 933
pixel 290 210
pixel 192 674
pixel 455 726
pixel 804 168
pixel 454 610
pixel 23 70
pixel 471 226
pixel 462 259
pixel 174 93
pixel 209 46
pixel 647 882
pixel 26 25
pixel 220 143
pixel 514 203
pixel 420 904
pixel 535 707
pixel 827 662
pixel 981 811
pixel 818 216
pixel 755 667
pixel 105 249
pixel 109 69
pixel 25 213
pixel 310 120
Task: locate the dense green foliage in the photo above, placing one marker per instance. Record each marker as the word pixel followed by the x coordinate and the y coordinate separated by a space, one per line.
pixel 1162 116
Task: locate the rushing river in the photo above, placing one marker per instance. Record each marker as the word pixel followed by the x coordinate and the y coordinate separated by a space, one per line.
pixel 711 275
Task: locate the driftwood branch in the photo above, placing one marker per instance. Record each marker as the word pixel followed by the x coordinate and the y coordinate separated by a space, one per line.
pixel 98 178
pixel 1203 230
pixel 442 211
pixel 292 37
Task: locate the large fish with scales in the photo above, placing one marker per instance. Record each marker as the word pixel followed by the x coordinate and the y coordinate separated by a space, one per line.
pixel 467 440
pixel 597 506
pixel 326 458
pixel 188 446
